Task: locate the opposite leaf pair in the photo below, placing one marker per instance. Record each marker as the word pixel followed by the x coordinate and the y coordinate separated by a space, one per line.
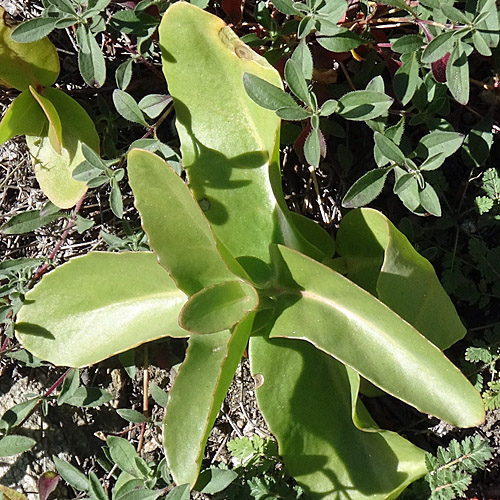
pixel 245 268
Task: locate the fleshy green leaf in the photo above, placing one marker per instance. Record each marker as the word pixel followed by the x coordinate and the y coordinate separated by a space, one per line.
pixel 133 300
pixel 309 408
pixel 356 328
pixel 55 128
pixel 387 266
pixel 196 396
pixel 23 116
pixel 218 307
pixel 22 65
pixel 180 492
pixel 366 188
pixel 53 170
pixel 228 142
pixel 182 238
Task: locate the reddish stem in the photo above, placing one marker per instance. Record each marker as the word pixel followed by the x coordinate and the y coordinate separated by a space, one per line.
pixel 62 239
pixel 57 383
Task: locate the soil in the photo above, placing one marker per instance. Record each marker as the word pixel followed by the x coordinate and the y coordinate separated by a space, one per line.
pixel 76 434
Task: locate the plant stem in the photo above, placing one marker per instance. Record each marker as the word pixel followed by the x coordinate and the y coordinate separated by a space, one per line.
pixel 62 239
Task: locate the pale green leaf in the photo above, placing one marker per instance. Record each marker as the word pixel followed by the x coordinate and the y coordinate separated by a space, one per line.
pixel 53 171
pixel 25 64
pixel 309 408
pixel 182 238
pixel 218 307
pixel 228 142
pixel 387 265
pixel 359 330
pixel 196 396
pixel 131 298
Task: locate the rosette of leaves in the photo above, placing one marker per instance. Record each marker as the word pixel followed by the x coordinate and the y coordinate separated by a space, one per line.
pixel 54 124
pixel 232 267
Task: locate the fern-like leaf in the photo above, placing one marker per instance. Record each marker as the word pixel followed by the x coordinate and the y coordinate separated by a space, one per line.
pixel 244 449
pixel 491 183
pixel 450 470
pixel 447 484
pixel 483 204
pixel 478 355
pixel 492 396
